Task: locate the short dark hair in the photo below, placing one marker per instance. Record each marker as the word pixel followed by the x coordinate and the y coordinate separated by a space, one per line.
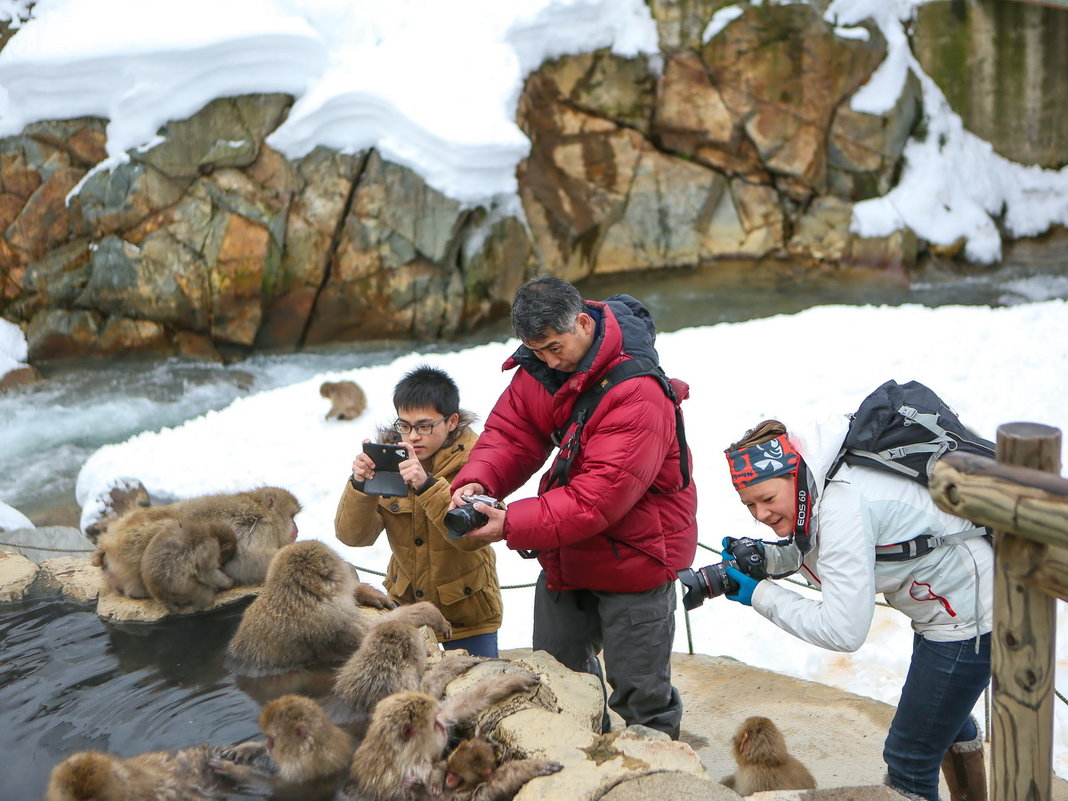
pixel 427 386
pixel 544 305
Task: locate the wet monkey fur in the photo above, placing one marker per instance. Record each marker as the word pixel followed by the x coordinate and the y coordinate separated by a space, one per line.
pixel 763 761
pixel 305 747
pixel 184 775
pixel 307 613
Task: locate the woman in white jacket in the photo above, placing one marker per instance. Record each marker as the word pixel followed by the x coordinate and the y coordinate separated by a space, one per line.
pixel 856 535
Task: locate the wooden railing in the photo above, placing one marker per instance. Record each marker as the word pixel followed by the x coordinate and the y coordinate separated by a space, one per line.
pixel 1028 509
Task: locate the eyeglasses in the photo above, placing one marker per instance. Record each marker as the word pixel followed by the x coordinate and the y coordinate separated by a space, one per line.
pixel 402 427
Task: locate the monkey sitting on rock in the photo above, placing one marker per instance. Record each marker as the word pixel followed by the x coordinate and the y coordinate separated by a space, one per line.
pixel 763 761
pixel 262 520
pixel 182 564
pixel 184 775
pixel 307 613
pixel 408 734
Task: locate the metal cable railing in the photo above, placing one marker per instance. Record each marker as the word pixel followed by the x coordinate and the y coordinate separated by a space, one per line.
pixel 48 549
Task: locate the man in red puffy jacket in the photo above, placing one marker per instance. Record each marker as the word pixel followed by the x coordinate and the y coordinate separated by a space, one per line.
pixel 612 535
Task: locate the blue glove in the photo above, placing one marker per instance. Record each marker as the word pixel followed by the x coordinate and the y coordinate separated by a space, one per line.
pixel 728 542
pixel 746 585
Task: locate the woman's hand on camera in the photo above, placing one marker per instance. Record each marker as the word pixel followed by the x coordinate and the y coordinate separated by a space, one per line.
pixel 746 585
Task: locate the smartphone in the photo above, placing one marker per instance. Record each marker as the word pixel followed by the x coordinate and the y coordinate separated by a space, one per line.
pixel 387 478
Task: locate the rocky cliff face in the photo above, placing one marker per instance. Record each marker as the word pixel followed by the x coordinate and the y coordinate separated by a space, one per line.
pixel 211 242
pixel 1004 69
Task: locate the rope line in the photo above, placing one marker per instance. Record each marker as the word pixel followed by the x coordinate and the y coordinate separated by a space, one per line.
pixel 360 569
pixel 17 545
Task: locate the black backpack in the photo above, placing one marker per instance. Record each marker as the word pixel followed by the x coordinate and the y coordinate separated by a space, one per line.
pixel 904 429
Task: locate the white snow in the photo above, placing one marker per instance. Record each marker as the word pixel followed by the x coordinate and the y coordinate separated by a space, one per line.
pixel 13 347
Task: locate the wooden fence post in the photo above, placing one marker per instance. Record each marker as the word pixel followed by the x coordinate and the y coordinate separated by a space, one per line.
pixel 1022 651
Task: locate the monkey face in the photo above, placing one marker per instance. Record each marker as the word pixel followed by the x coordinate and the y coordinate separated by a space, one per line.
pixel 471 763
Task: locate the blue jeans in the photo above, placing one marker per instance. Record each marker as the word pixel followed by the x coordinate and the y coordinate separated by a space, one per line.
pixel 944 682
pixel 479 645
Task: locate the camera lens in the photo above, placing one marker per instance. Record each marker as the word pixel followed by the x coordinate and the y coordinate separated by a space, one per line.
pixel 706 582
pixel 462 519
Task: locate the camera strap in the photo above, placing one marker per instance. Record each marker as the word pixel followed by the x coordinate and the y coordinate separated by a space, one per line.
pixel 801 537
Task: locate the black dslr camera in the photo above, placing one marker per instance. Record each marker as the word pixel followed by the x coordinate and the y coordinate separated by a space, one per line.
pixel 464 518
pixel 712 580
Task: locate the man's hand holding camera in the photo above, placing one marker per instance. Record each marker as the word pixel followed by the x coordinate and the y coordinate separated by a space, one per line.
pixel 490 531
pixel 411 469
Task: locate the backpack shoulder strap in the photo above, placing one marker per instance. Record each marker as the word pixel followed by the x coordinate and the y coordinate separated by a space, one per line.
pixel 568 437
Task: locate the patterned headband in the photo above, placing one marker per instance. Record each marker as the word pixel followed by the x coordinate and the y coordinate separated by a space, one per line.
pixel 776 457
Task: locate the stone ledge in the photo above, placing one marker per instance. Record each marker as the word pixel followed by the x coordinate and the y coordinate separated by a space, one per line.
pixel 17 576
pixel 116 608
pixel 76 579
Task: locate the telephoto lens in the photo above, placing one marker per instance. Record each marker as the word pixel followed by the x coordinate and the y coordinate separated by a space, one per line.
pixel 711 580
pixel 705 582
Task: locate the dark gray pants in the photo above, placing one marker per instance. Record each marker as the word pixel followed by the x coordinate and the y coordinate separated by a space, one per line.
pixel 636 631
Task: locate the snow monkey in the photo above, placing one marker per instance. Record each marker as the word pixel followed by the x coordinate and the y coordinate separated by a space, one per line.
pixel 763 761
pixel 181 565
pixel 262 520
pixel 408 734
pixel 471 773
pixel 177 776
pixel 392 658
pixel 307 613
pixel 304 745
pixel 260 531
pixel 347 401
pixel 112 503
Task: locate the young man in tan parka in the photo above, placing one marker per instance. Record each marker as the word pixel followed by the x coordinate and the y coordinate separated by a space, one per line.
pixel 459 576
